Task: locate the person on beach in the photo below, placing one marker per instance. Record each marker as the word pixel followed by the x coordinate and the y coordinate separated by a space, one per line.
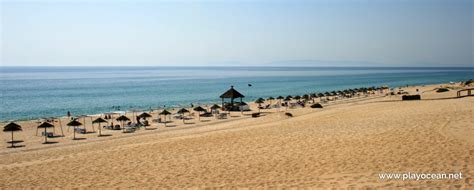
pixel 68 114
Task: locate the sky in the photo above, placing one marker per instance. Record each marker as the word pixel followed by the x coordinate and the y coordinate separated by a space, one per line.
pixel 237 33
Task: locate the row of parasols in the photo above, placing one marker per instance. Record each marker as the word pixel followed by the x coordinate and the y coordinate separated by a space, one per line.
pixel 13 127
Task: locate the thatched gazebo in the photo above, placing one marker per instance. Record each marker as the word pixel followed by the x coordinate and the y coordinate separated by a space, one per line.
pixel 231 94
pixel 12 127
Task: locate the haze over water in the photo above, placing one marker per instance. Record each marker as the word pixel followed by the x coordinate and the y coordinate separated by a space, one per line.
pixel 34 92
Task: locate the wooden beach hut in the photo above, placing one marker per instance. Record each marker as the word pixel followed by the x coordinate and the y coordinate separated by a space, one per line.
pixel 231 94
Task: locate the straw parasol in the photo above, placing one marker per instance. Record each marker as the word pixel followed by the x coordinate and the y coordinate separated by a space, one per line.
pixel 74 123
pixel 199 109
pixel 306 97
pixel 45 125
pixel 259 101
pixel 313 96
pixel 215 107
pixel 297 97
pixel 12 127
pixel 165 113
pixel 99 120
pixel 270 99
pixel 144 115
pixel 182 111
pixel 122 119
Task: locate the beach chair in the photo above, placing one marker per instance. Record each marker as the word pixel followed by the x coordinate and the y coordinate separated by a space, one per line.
pixel 222 116
pixel 129 130
pixel 117 127
pixel 80 130
pixel 48 134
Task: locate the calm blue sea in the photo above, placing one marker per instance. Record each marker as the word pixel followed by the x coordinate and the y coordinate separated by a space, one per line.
pixel 33 92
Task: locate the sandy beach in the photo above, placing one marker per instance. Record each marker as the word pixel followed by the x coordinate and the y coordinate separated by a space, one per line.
pixel 347 144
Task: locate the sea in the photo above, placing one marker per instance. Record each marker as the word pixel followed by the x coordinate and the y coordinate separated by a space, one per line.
pixel 38 92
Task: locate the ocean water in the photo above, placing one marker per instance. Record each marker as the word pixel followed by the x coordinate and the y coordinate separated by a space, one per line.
pixel 34 92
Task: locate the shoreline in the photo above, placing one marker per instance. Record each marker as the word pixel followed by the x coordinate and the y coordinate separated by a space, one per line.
pixel 173 107
pixel 60 123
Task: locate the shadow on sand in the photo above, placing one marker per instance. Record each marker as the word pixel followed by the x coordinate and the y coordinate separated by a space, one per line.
pixel 151 128
pixel 50 142
pixel 16 146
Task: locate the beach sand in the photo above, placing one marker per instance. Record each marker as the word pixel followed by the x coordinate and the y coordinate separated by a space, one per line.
pixel 345 145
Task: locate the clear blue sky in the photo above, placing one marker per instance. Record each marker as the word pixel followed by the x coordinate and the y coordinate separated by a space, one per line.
pixel 158 33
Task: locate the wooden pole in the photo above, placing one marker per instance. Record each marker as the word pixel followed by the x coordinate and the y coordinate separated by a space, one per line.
pixel 61 125
pixel 93 129
pixel 100 130
pixel 85 129
pixel 45 135
pixel 13 144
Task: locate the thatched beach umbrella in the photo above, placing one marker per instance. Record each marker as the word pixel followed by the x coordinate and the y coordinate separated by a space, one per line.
pixel 313 96
pixel 122 119
pixel 199 109
pixel 279 98
pixel 45 125
pixel 165 113
pixel 182 111
pixel 144 115
pixel 297 97
pixel 306 97
pixel 60 124
pixel 259 101
pixel 99 120
pixel 270 99
pixel 12 127
pixel 287 100
pixel 74 123
pixel 215 107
